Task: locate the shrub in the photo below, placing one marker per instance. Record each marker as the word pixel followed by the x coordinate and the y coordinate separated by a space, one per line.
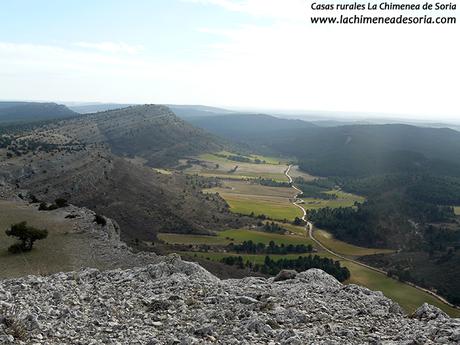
pixel 33 199
pixel 100 220
pixel 26 235
pixel 15 248
pixel 60 202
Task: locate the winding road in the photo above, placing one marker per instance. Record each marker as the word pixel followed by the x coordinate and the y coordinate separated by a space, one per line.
pixel 309 229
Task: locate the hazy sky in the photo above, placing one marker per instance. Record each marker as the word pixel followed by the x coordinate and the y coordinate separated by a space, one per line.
pixel 245 53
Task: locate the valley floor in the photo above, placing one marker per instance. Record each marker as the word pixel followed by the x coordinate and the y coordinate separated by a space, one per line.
pixel 71 246
pixel 245 196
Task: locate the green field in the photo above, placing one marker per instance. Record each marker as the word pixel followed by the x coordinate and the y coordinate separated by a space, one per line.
pixel 273 207
pixel 245 197
pixel 235 236
pixel 343 200
pixel 408 297
pixel 193 239
pixel 264 237
pixel 254 258
pixel 344 248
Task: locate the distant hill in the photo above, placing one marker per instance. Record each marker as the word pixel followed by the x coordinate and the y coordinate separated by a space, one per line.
pixel 370 150
pixel 194 111
pixel 94 108
pixel 360 150
pixel 247 127
pixel 183 111
pixel 152 132
pixel 17 112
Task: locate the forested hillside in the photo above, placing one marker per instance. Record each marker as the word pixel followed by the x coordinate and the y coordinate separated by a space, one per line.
pixel 247 127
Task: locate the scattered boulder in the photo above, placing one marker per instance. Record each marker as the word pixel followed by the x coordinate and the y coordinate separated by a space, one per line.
pixel 285 275
pixel 429 312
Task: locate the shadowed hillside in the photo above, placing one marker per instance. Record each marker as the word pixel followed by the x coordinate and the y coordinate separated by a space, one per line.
pixel 14 112
pixel 246 127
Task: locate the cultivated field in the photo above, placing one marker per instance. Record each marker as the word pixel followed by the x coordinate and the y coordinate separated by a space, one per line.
pixel 235 236
pixel 273 207
pixel 408 297
pixel 343 200
pixel 337 246
pixel 215 165
pixel 245 197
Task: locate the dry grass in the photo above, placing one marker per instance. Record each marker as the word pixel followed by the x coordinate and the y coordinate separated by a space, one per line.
pixel 62 250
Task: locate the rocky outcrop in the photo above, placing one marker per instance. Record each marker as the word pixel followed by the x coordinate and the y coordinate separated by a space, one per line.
pixel 177 302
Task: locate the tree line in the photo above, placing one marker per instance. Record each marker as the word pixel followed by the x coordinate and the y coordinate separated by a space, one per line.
pixel 302 263
pixel 250 247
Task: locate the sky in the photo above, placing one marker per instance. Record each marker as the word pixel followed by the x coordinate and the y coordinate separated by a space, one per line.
pixel 245 54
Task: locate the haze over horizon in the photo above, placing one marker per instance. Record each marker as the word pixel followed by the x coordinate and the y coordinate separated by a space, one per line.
pixel 248 54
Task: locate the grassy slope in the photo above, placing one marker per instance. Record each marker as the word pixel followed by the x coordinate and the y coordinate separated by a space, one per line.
pixel 407 296
pixel 58 252
pixel 345 248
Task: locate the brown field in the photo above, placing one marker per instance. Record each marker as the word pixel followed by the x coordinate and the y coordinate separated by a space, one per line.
pixel 212 165
pixel 296 172
pixel 246 187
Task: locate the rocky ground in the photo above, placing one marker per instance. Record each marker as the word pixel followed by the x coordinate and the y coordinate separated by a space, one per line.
pixel 178 302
